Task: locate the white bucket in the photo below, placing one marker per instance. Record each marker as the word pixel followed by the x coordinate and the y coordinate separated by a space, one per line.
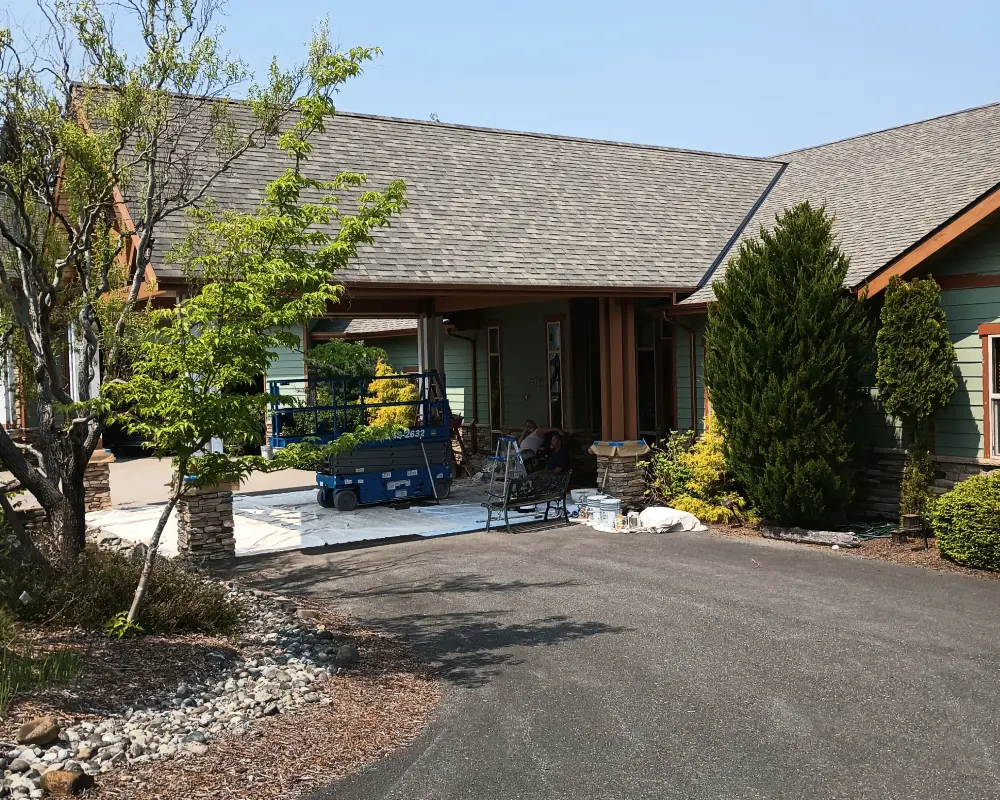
pixel 610 508
pixel 593 506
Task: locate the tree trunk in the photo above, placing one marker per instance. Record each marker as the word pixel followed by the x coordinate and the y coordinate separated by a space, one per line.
pixel 154 544
pixel 63 521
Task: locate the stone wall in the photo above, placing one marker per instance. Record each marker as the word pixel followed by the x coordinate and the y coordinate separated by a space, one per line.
pixel 205 525
pixel 97 482
pixel 625 479
pixel 884 474
pixel 36 523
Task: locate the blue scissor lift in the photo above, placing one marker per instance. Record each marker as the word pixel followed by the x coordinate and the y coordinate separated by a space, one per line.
pixel 415 463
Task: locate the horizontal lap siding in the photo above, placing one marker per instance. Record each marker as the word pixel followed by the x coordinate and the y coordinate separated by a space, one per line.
pixel 401 355
pixel 289 365
pixel 400 351
pixel 959 429
pixel 523 356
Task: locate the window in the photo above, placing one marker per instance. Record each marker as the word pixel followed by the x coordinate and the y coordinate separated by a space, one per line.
pixel 495 369
pixel 646 377
pixel 554 359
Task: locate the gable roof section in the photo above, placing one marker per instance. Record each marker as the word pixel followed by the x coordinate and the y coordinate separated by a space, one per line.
pixel 889 190
pixel 359 327
pixel 501 208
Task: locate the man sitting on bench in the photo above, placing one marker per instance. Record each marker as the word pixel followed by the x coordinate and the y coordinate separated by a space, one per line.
pixel 558 460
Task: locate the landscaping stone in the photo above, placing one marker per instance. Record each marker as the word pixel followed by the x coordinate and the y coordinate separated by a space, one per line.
pixel 63 783
pixel 347 656
pixel 41 731
pixel 279 671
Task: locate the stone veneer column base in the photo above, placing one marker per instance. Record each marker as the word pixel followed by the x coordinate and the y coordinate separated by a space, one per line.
pixel 97 481
pixel 626 479
pixel 205 527
pixel 884 474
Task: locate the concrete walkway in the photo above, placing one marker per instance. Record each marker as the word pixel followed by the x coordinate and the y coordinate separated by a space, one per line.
pixel 585 665
pixel 141 481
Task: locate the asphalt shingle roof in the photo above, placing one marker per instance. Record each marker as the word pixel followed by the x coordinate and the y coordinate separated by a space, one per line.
pixel 491 207
pixel 361 327
pixel 887 189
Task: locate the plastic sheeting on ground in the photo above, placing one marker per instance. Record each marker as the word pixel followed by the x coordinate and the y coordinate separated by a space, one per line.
pixel 294 520
pixel 661 519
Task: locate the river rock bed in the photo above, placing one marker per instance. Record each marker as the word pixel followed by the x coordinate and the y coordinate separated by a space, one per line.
pixel 284 661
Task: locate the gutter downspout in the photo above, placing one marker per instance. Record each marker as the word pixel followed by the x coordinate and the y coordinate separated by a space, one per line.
pixel 475 388
pixel 694 370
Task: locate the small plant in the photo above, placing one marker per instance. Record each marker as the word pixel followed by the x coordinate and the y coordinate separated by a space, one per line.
pixel 118 627
pixel 966 522
pixel 666 476
pixel 97 585
pixel 21 669
pixel 710 491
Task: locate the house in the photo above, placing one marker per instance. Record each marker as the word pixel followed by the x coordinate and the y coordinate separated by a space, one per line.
pixel 574 274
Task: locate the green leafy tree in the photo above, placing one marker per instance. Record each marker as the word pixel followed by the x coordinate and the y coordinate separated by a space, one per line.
pixel 788 349
pixel 82 119
pixel 259 275
pixel 915 376
pixel 341 358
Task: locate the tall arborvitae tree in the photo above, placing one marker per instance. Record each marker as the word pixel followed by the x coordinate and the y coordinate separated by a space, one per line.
pixel 788 349
pixel 915 376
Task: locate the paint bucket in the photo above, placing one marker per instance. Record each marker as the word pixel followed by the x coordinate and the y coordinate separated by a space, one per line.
pixel 593 508
pixel 610 508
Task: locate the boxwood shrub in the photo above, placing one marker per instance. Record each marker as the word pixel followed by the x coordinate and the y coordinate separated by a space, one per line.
pixel 966 522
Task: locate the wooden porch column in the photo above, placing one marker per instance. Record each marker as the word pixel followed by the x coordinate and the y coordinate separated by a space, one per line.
pixel 619 409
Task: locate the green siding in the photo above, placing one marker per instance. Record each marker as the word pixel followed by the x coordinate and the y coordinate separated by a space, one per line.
pixel 522 344
pixel 289 364
pixel 959 428
pixel 682 351
pixel 401 353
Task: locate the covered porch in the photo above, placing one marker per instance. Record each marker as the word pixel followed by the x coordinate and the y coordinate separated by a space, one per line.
pixel 597 365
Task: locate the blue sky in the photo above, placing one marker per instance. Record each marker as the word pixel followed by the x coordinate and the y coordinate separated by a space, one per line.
pixel 756 77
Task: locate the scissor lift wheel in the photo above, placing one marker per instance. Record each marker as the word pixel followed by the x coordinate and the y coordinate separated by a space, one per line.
pixel 442 488
pixel 325 498
pixel 345 500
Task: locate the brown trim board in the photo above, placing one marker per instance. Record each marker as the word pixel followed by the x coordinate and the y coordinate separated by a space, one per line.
pixel 960 224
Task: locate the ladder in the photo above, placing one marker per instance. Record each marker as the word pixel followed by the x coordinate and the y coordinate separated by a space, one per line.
pixel 508 458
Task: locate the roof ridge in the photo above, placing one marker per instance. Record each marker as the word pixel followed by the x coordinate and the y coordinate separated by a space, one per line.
pixel 559 137
pixel 485 129
pixel 885 130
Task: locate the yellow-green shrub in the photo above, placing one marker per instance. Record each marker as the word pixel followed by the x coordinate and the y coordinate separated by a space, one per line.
pixel 710 493
pixel 391 390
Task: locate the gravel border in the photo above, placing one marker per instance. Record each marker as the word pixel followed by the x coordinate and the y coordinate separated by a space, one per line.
pixel 298 675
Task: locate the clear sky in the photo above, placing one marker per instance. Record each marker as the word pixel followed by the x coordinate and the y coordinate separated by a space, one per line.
pixel 756 77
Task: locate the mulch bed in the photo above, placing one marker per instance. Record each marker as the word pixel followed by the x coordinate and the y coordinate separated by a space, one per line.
pixel 912 553
pixel 378 706
pixel 381 705
pixel 118 674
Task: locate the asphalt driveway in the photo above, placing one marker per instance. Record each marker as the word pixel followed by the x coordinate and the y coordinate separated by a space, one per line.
pixel 585 665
